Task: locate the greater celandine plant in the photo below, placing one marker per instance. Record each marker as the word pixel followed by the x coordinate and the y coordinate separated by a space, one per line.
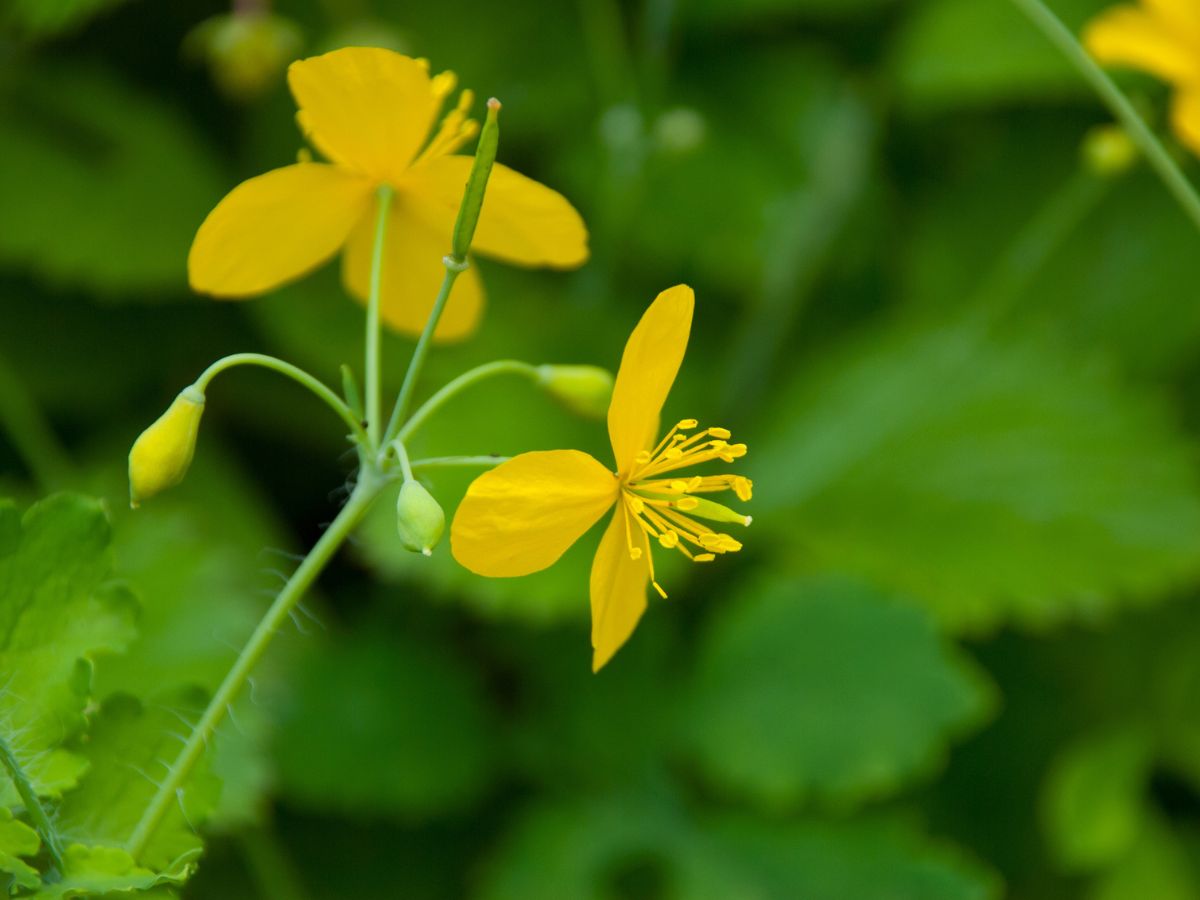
pixel 392 197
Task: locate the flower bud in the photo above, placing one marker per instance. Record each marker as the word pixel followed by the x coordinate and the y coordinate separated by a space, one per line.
pixel 585 390
pixel 1108 150
pixel 419 518
pixel 161 455
pixel 246 52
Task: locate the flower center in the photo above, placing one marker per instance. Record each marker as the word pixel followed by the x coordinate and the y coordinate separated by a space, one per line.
pixel 662 504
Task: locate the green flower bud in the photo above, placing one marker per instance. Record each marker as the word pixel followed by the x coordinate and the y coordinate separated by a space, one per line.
pixel 419 518
pixel 585 390
pixel 161 455
pixel 246 52
pixel 1108 150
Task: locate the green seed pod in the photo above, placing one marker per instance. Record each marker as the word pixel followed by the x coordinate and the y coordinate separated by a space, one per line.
pixel 586 390
pixel 481 168
pixel 161 455
pixel 419 518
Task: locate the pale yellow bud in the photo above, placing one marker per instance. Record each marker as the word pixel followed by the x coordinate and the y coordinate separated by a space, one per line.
pixel 1108 150
pixel 161 455
pixel 586 390
pixel 419 518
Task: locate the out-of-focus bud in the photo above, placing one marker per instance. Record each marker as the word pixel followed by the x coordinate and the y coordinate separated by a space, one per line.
pixel 419 518
pixel 586 390
pixel 161 455
pixel 679 131
pixel 246 52
pixel 1108 150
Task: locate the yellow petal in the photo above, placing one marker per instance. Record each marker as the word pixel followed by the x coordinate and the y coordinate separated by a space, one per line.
pixel 276 227
pixel 365 108
pixel 524 514
pixel 1185 118
pixel 1183 15
pixel 522 221
pixel 648 368
pixel 1135 37
pixel 412 275
pixel 618 589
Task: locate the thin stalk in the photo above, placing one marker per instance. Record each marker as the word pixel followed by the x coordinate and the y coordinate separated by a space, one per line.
pixel 402 454
pixel 33 806
pixel 331 399
pixel 30 433
pixel 1139 132
pixel 351 514
pixel 374 410
pixel 454 268
pixel 465 380
pixel 436 462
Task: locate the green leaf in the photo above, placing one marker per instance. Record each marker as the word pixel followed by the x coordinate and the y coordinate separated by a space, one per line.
pixel 110 870
pixel 121 183
pixel 1094 804
pixel 58 610
pixel 45 18
pixel 18 840
pixel 954 53
pixel 990 478
pixel 131 748
pixel 1158 865
pixel 625 846
pixel 826 688
pixel 381 726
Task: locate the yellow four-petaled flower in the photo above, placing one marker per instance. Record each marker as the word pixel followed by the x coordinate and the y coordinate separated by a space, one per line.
pixel 371 112
pixel 522 516
pixel 1161 37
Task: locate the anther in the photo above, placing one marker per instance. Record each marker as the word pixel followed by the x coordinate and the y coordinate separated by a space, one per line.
pixel 669 539
pixel 686 503
pixel 722 433
pixel 687 423
pixel 703 557
pixel 635 552
pixel 642 458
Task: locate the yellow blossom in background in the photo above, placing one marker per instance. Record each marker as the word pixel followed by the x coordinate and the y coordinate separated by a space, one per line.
pixel 371 113
pixel 1161 37
pixel 522 516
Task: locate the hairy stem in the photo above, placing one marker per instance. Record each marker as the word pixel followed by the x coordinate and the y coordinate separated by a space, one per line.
pixel 465 380
pixel 33 806
pixel 1139 132
pixel 364 493
pixel 374 411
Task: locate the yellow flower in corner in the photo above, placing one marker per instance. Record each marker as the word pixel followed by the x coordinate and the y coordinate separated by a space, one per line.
pixel 371 113
pixel 524 514
pixel 1161 37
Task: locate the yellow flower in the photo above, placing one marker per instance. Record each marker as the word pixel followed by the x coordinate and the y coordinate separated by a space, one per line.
pixel 1161 37
pixel 523 515
pixel 371 113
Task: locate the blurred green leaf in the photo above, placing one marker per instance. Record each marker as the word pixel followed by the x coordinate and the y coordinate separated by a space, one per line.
pixel 1157 866
pixel 956 53
pixel 104 187
pixel 990 478
pixel 18 840
pixel 46 18
pixel 1093 804
pixel 131 747
pixel 826 688
pixel 59 608
pixel 634 846
pixel 385 726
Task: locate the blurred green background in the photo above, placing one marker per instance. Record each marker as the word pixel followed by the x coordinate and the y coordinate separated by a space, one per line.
pixel 959 657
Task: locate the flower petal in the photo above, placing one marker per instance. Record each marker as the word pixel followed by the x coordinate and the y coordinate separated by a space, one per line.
pixel 522 221
pixel 523 515
pixel 366 108
pixel 412 275
pixel 276 227
pixel 1185 117
pixel 618 589
pixel 1135 37
pixel 648 369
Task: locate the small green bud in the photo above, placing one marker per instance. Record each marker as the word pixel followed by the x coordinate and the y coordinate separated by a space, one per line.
pixel 1108 150
pixel 246 52
pixel 419 518
pixel 161 455
pixel 586 390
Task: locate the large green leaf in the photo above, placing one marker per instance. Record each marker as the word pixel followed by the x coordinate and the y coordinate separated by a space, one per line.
pixel 59 608
pixel 990 478
pixel 825 688
pixel 111 872
pixel 625 846
pixel 132 745
pixel 120 183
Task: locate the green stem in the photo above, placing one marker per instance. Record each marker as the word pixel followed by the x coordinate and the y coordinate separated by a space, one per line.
pixel 365 492
pixel 332 400
pixel 465 380
pixel 1151 147
pixel 374 409
pixel 402 455
pixel 30 433
pixel 436 462
pixel 33 806
pixel 454 268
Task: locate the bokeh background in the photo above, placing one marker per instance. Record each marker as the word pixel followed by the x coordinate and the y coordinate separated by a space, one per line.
pixel 959 657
